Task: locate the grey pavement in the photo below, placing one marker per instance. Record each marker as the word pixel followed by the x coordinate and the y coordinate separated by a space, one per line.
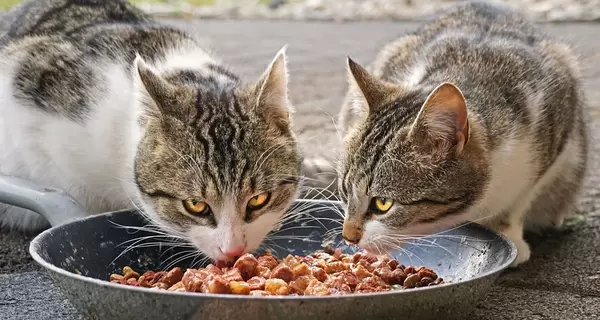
pixel 562 280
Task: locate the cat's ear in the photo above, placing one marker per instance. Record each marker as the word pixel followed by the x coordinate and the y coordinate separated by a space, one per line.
pixel 367 92
pixel 272 90
pixel 443 122
pixel 157 88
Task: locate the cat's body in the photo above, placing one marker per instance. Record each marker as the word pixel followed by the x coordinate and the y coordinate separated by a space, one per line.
pixel 115 109
pixel 513 156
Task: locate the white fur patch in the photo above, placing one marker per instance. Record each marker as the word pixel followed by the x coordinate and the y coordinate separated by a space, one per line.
pixel 89 161
pixel 414 76
pixel 512 170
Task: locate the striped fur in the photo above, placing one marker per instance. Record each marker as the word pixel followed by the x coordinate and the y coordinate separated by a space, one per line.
pixel 120 111
pixel 476 116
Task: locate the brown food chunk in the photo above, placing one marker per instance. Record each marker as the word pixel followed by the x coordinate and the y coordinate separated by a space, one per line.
pixel 116 277
pixel 375 282
pixel 177 287
pixel 213 269
pixel 283 272
pixel 276 286
pixel 333 267
pixel 369 257
pixel 308 260
pixel 260 293
pixel 427 273
pixel 247 264
pixel 325 272
pixel 393 264
pixel 194 279
pixel 342 280
pixel 268 262
pixel 160 285
pixel 396 277
pixel 337 253
pixel 316 288
pixel 365 265
pixel 290 261
pixel 299 285
pixel 216 284
pixel 301 269
pixel 409 270
pixel 263 272
pixel 256 283
pixel 318 273
pixel 426 281
pixel 172 277
pixel 412 281
pixel 361 272
pixel 233 275
pixel 239 287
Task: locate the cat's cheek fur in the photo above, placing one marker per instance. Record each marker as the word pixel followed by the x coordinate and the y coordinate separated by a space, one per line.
pixel 373 236
pixel 209 240
pixel 257 230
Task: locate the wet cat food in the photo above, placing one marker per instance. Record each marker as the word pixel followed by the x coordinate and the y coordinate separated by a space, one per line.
pixel 325 272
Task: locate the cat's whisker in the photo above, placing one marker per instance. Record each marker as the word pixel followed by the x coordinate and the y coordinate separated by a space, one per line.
pixel 407 252
pixel 276 245
pixel 377 246
pixel 293 228
pixel 397 242
pixel 180 259
pixel 176 255
pixel 445 236
pixel 201 263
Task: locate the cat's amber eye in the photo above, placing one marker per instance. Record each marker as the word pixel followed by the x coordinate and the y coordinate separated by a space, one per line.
pixel 259 201
pixel 196 207
pixel 382 204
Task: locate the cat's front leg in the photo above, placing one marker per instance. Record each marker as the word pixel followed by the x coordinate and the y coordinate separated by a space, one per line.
pixel 511 225
pixel 514 232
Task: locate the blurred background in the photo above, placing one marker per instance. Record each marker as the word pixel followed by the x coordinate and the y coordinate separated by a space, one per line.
pixel 348 10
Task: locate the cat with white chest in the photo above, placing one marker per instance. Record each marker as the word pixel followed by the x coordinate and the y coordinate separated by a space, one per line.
pixel 476 116
pixel 119 111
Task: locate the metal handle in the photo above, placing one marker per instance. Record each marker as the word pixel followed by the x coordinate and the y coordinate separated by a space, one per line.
pixel 55 205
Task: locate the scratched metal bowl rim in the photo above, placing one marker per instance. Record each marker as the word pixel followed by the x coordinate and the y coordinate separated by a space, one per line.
pixel 38 243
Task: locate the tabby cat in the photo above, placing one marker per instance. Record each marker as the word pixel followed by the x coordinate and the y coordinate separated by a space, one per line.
pixel 103 102
pixel 476 116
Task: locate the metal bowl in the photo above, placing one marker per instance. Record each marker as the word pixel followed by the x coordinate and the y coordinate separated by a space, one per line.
pixel 81 252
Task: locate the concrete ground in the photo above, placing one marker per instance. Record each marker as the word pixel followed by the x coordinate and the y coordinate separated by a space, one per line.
pixel 562 280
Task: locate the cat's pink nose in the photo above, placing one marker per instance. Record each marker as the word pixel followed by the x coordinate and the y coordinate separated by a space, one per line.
pixel 234 252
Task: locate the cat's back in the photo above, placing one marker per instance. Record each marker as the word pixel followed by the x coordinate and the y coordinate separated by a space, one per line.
pixel 508 68
pixel 53 17
pixel 482 20
pixel 57 52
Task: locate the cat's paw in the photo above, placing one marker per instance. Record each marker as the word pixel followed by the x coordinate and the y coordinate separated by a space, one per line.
pixel 523 251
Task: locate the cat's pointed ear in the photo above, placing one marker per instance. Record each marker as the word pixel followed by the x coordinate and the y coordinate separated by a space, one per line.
pixel 157 88
pixel 443 122
pixel 367 91
pixel 272 94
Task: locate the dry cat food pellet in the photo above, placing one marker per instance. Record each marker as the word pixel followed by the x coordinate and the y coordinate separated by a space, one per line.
pixel 325 272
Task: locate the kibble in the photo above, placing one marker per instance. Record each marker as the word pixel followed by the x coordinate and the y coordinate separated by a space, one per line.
pixel 329 272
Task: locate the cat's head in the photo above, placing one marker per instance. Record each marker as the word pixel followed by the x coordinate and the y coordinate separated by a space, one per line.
pixel 218 163
pixel 412 164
